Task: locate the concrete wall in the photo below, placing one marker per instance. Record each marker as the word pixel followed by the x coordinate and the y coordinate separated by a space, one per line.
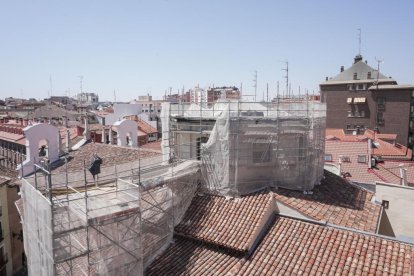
pixel 399 218
pixel 121 110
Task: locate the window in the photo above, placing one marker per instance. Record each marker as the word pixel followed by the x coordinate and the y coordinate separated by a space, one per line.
pixel 360 87
pixel 348 126
pixel 261 151
pixel 385 204
pixel 349 113
pixel 328 157
pixel 369 75
pixel 355 76
pixel 380 118
pixel 362 158
pixel 360 100
pixel 349 100
pixel 381 100
pixel 345 159
pixel 362 113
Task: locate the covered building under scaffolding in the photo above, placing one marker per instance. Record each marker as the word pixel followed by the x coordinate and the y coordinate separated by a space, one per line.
pixel 244 147
pixel 120 221
pixel 113 223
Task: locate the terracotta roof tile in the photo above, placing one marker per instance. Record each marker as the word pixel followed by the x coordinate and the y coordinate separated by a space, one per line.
pixel 231 223
pixel 335 201
pixel 291 247
pixel 385 149
pixel 110 154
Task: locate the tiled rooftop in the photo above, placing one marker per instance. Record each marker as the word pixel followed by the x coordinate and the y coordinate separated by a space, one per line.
pixel 291 247
pixel 110 154
pixel 231 223
pixel 335 201
pixel 359 172
pixel 384 148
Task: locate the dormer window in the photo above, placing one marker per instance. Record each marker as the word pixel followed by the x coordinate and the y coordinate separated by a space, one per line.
pixel 355 76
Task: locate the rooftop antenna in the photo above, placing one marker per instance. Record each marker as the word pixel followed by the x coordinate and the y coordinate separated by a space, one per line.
pixel 255 84
pixel 50 82
pixel 81 82
pixel 359 40
pixel 277 91
pixel 114 96
pixel 267 92
pixel 379 61
pixel 286 76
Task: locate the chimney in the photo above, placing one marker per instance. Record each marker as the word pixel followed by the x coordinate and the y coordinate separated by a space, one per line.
pixel 342 68
pixel 326 79
pixel 403 175
pixel 357 58
pixel 340 165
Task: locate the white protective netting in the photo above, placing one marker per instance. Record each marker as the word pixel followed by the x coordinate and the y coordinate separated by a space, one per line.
pixel 116 225
pixel 250 146
pixel 37 228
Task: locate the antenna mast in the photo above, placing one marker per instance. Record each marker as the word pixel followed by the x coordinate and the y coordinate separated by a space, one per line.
pixel 114 96
pixel 286 77
pixel 255 84
pixel 379 61
pixel 359 40
pixel 50 82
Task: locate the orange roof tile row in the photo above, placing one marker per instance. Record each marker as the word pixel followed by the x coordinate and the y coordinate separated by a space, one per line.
pixel 384 148
pixel 335 201
pixel 231 223
pixel 291 247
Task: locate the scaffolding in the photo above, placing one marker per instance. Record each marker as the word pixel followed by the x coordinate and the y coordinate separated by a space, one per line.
pixel 114 224
pixel 247 146
pixel 118 222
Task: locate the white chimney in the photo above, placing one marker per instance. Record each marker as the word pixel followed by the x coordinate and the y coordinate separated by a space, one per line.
pixel 403 175
pixel 340 165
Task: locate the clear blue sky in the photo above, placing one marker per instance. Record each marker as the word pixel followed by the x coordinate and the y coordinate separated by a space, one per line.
pixel 135 47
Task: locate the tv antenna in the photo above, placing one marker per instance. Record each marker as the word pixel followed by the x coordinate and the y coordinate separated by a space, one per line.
pixel 286 76
pixel 359 40
pixel 50 82
pixel 81 82
pixel 379 61
pixel 255 84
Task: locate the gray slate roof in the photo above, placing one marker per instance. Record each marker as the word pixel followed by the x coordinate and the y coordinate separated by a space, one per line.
pixel 362 69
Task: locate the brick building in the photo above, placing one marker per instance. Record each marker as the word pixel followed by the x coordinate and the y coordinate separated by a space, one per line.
pixel 360 97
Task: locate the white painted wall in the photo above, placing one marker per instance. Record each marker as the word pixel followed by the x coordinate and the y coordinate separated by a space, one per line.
pixel 121 110
pixel 127 128
pixel 400 210
pixel 34 134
